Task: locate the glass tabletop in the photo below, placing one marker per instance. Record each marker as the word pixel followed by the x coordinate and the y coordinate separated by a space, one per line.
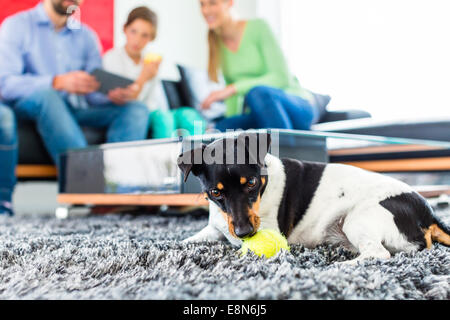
pixel 335 138
pixel 150 166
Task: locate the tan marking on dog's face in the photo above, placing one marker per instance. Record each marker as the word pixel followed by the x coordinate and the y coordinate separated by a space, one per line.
pixel 224 214
pixel 437 234
pixel 253 214
pixel 263 180
pixel 231 227
pixel 229 221
pixel 243 180
pixel 220 186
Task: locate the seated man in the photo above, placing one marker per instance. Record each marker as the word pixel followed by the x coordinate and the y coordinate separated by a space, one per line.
pixel 8 158
pixel 45 60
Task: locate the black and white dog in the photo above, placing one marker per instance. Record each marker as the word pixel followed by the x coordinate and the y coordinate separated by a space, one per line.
pixel 310 203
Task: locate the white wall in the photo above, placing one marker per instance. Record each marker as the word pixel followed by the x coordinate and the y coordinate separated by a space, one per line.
pixel 388 57
pixel 182 34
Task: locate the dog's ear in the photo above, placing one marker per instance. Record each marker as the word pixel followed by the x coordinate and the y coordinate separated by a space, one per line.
pixel 191 161
pixel 257 145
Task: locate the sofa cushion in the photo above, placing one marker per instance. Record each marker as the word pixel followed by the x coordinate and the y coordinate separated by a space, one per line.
pixel 32 150
pixel 179 93
pixel 341 115
pixel 321 103
pixel 428 129
pixel 200 86
pixel 173 97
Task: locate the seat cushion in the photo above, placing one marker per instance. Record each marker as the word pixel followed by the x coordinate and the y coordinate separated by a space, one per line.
pixel 32 150
pixel 428 129
pixel 200 86
pixel 321 103
pixel 341 115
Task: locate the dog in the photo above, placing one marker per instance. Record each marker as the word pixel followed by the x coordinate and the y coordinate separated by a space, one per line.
pixel 310 203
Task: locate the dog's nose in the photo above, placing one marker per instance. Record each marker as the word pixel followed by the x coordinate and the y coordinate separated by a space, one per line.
pixel 244 230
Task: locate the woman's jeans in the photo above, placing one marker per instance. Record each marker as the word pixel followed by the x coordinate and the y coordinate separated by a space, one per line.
pixel 8 152
pixel 59 127
pixel 272 108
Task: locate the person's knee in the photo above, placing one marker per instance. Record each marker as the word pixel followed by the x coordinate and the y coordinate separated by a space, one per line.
pixel 46 95
pixel 258 96
pixel 7 125
pixel 47 100
pixel 137 109
pixel 138 114
pixel 259 92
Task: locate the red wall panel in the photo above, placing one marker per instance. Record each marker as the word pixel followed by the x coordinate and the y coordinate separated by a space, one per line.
pixel 98 14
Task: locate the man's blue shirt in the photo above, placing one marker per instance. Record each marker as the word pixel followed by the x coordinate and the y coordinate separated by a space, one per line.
pixel 32 53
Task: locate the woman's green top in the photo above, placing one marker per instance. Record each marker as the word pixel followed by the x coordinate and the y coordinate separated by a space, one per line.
pixel 259 61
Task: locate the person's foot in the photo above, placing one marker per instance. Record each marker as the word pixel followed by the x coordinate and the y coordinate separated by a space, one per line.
pixel 6 208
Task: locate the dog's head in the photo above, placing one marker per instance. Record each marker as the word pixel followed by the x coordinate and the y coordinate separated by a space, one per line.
pixel 232 175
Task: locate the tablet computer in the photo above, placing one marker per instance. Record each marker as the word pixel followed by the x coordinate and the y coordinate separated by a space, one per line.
pixel 109 81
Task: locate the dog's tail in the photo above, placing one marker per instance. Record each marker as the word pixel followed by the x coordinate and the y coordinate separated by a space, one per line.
pixel 438 232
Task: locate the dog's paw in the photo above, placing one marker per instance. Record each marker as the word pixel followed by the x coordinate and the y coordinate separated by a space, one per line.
pixel 190 240
pixel 353 262
pixel 208 233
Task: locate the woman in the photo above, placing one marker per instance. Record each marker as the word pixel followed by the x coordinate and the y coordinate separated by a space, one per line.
pixel 129 61
pixel 256 74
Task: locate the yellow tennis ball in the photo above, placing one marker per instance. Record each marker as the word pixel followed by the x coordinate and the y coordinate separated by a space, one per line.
pixel 265 242
pixel 152 57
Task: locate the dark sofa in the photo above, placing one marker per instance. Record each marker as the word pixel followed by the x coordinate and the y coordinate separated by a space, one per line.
pixel 33 152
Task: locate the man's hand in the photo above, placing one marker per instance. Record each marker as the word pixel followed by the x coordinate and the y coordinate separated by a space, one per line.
pixel 218 96
pixel 77 82
pixel 121 96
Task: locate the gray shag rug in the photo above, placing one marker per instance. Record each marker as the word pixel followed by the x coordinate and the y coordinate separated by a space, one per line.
pixel 142 257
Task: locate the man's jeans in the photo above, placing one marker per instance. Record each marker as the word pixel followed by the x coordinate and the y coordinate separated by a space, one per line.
pixel 59 124
pixel 8 152
pixel 59 127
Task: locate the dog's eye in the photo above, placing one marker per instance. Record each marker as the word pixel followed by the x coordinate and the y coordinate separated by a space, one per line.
pixel 216 193
pixel 251 182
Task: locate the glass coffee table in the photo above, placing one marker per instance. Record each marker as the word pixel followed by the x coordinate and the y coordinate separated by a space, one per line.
pixel 145 173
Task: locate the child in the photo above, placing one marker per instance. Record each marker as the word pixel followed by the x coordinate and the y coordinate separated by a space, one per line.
pixel 129 61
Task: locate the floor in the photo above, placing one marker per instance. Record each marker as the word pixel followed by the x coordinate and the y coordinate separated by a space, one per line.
pixel 135 257
pixel 142 257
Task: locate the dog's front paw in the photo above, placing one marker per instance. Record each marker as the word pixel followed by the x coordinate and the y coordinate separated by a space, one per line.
pixel 208 233
pixel 353 262
pixel 194 238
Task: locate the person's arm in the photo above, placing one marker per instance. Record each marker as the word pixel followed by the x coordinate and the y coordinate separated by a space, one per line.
pixel 14 83
pixel 112 62
pixel 277 74
pixel 148 73
pixel 94 61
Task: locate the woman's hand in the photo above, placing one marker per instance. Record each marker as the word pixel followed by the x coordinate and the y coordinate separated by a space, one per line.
pixel 121 96
pixel 219 96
